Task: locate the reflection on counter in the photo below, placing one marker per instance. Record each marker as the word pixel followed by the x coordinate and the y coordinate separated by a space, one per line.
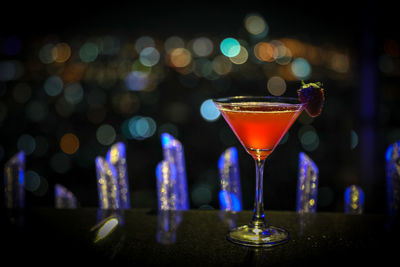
pixel 107 222
pixel 168 222
pixel 228 217
pixel 354 200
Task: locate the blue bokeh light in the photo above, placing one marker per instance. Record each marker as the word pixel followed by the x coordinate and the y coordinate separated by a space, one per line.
pixel 209 111
pixel 301 68
pixel 230 47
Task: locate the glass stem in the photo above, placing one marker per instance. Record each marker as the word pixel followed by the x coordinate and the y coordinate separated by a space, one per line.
pixel 258 217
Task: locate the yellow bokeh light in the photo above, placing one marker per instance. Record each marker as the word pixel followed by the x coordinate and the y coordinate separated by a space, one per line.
pixel 221 65
pixel 180 57
pixel 255 24
pixel 241 57
pixel 62 52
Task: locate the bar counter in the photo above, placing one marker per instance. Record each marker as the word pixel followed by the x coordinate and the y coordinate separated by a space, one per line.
pixel 144 237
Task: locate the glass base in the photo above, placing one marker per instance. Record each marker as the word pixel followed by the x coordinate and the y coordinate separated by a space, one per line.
pixel 256 236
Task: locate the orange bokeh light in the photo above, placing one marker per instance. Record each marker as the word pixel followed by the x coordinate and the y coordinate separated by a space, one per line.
pixel 69 143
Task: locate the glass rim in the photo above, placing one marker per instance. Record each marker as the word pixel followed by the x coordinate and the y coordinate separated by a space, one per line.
pixel 271 99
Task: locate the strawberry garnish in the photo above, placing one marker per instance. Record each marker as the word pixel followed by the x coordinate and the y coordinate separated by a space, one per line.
pixel 313 96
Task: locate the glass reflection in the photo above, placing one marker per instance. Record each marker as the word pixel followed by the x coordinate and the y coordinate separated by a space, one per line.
pixel 228 217
pixel 353 200
pixel 230 196
pixel 167 225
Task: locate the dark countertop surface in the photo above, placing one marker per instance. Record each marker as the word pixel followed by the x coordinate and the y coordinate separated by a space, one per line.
pixel 143 237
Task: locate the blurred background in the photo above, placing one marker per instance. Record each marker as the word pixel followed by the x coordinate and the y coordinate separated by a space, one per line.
pixel 76 78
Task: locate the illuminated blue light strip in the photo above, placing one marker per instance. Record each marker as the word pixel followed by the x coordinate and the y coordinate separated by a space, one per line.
pixel 64 199
pixel 167 186
pixel 307 185
pixel 14 179
pixel 393 178
pixel 174 154
pixel 116 156
pixel 107 185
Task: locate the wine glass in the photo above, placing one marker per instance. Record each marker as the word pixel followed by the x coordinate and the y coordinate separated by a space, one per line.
pixel 259 122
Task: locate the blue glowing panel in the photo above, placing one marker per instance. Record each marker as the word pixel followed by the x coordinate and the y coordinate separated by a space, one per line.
pixel 107 185
pixel 174 154
pixel 14 172
pixel 167 186
pixel 166 139
pixel 64 199
pixel 116 157
pixel 354 200
pixel 230 196
pixel 307 185
pixel 393 178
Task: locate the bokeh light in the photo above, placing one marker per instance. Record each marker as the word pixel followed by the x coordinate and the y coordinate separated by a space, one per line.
pixel 209 111
pixel 47 54
pixel 230 47
pixel 241 57
pixel 61 52
pixel 26 143
pixel 180 57
pixel 53 85
pixel 353 139
pixel 173 42
pixel 301 68
pixel 201 195
pixel 106 134
pixel 149 56
pixel 221 65
pixel 144 42
pixel 10 70
pixel 308 137
pixel 256 25
pixel 264 51
pixel 32 180
pixel 139 127
pixel 69 143
pixel 136 80
pixel 73 93
pixel 202 47
pixel 276 86
pixel 88 52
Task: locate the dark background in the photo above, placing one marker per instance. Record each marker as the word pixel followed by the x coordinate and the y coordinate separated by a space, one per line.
pixel 363 100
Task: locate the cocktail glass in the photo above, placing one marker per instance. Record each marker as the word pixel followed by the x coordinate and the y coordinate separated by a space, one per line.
pixel 259 123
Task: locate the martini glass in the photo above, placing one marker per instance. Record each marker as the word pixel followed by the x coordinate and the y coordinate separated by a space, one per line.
pixel 259 122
